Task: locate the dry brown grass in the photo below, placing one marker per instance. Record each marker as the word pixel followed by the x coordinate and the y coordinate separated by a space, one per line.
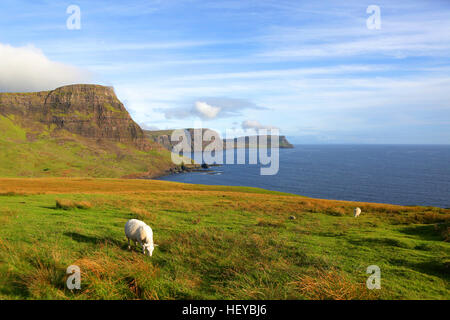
pixel 133 272
pixel 83 204
pixel 203 199
pixel 269 223
pixel 196 220
pixel 332 285
pixel 92 186
pixel 142 214
pixel 7 214
pixel 11 193
pixel 70 204
pixel 46 278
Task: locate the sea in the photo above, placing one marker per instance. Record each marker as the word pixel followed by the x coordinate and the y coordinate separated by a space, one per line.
pixel 394 174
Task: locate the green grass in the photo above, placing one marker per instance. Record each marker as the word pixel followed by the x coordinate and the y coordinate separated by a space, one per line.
pixel 10 131
pixel 43 152
pixel 111 108
pixel 214 243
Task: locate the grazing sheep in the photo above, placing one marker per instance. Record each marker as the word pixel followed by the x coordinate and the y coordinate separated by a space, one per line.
pixel 357 212
pixel 138 231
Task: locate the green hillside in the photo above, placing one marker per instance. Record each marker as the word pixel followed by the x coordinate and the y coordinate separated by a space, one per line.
pixel 215 242
pixel 80 130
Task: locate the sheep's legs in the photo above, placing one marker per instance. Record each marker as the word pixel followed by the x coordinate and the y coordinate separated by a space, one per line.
pixel 129 246
pixel 143 247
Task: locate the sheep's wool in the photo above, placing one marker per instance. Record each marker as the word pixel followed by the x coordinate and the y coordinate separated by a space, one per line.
pixel 139 231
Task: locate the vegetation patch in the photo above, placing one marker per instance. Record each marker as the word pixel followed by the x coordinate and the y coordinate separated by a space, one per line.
pixel 332 285
pixel 69 204
pixel 215 242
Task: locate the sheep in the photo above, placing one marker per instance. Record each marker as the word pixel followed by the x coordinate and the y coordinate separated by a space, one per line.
pixel 139 231
pixel 357 212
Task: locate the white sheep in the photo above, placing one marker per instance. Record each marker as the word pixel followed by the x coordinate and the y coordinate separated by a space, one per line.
pixel 139 231
pixel 357 212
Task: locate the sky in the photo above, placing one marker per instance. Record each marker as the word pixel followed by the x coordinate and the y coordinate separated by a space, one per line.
pixel 320 71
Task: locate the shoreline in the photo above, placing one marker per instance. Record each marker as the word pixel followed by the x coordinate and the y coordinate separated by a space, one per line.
pixel 177 170
pixel 6 191
pixel 287 192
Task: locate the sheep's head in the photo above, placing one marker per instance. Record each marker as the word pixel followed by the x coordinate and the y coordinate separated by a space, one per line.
pixel 149 248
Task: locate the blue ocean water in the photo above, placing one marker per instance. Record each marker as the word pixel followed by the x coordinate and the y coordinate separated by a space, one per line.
pixel 396 174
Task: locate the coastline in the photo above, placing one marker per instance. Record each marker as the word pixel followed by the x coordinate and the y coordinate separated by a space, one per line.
pixel 289 193
pixel 385 174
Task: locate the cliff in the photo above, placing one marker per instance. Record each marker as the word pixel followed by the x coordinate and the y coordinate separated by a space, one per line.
pixel 76 130
pixel 283 143
pixel 92 111
pixel 163 137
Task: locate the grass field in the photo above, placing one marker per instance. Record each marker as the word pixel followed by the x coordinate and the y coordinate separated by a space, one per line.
pixel 34 150
pixel 214 242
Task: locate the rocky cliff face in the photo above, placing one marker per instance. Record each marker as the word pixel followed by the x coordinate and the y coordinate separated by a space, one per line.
pixel 163 137
pixel 77 130
pixel 92 111
pixel 283 143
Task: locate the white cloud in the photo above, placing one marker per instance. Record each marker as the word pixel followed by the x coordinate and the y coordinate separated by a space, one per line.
pixel 210 108
pixel 401 36
pixel 150 127
pixel 253 124
pixel 206 110
pixel 26 69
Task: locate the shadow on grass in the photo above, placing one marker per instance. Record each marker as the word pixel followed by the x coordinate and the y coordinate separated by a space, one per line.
pixel 49 207
pixel 16 288
pixel 427 232
pixel 435 267
pixel 382 241
pixel 78 237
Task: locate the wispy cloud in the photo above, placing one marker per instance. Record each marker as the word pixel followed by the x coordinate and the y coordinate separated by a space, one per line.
pixel 343 69
pixel 401 36
pixel 209 108
pixel 255 125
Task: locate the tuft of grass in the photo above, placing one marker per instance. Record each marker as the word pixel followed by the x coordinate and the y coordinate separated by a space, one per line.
pixel 6 214
pixel 129 277
pixel 142 214
pixel 66 204
pixel 83 204
pixel 332 285
pixel 337 211
pixel 444 230
pixel 196 220
pixel 269 223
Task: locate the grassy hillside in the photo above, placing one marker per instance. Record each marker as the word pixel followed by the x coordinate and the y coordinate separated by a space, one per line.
pixel 64 154
pixel 214 242
pixel 77 130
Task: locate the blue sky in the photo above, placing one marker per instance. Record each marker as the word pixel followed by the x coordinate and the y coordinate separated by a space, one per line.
pixel 311 68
